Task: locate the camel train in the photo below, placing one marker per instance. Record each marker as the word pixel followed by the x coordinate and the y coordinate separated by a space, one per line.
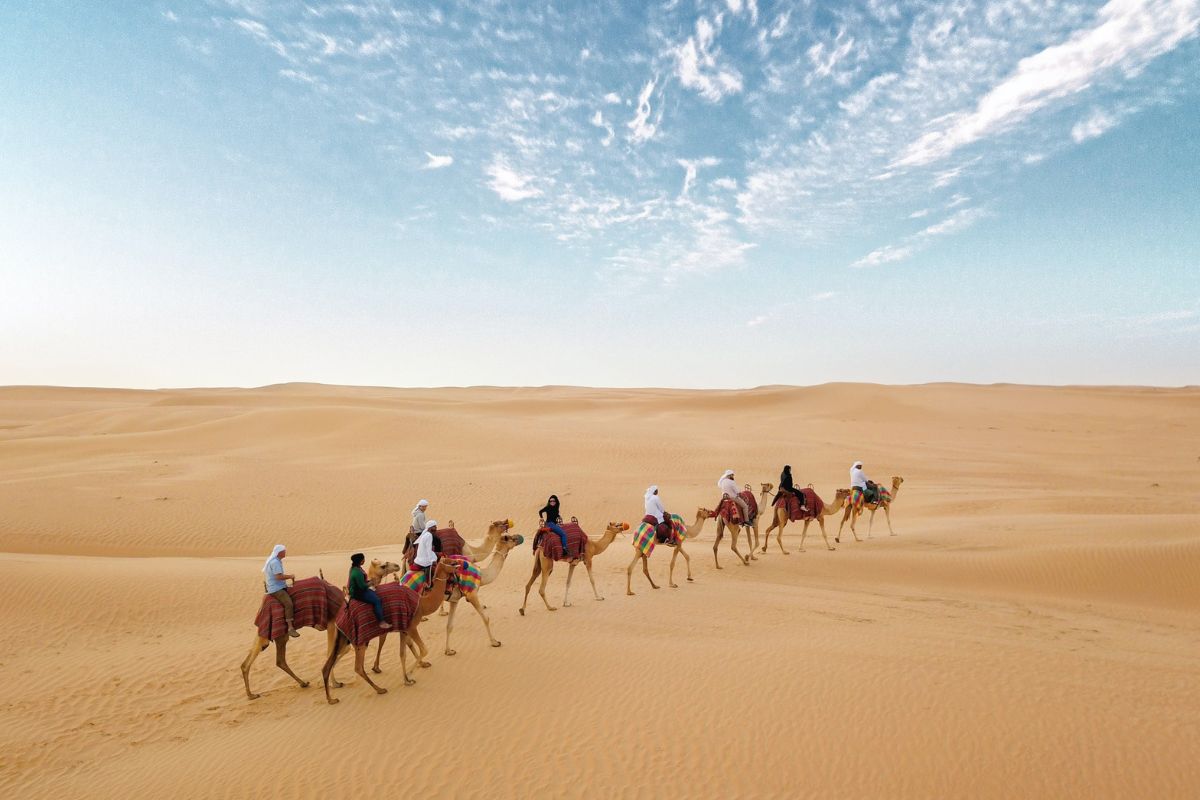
pixel 459 574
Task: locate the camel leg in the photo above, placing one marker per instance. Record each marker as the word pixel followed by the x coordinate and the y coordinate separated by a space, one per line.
pixel 596 592
pixel 537 568
pixel 473 599
pixel 545 577
pixel 360 657
pixel 629 572
pixel 404 659
pixel 779 540
pixel 442 609
pixel 821 522
pixel 450 627
pixel 753 546
pixel 733 546
pixel 871 521
pixel 378 652
pixel 340 644
pixel 679 551
pixel 804 533
pixel 767 537
pixel 331 633
pixel 281 661
pixel 417 645
pixel 259 645
pixel 645 569
pixel 567 594
pixel 887 513
pixel 716 544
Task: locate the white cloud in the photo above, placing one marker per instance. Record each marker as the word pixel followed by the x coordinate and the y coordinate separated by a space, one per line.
pixel 696 65
pixel 689 175
pixel 612 98
pixel 509 184
pixel 960 220
pixel 822 296
pixel 641 129
pixel 437 162
pixel 725 183
pixel 1128 34
pixel 1097 124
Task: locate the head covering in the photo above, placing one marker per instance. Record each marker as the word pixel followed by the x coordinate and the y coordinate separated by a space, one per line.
pixel 651 490
pixel 553 497
pixel 728 474
pixel 431 525
pixel 421 502
pixel 857 465
pixel 357 559
pixel 274 554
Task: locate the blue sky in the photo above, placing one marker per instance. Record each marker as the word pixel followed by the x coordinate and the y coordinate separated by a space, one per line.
pixel 698 194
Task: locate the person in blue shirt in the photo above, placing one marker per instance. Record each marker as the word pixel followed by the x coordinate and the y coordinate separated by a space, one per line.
pixel 277 586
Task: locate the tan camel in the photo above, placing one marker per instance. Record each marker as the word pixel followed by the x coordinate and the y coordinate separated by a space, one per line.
pixel 426 604
pixel 487 575
pixel 733 537
pixel 544 566
pixel 781 520
pixel 886 503
pixel 478 552
pixel 693 531
pixel 261 644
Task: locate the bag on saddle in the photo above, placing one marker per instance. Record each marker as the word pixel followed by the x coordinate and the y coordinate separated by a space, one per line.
pixel 871 495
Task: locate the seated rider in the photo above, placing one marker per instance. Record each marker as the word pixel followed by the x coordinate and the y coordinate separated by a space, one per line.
pixel 654 508
pixel 360 589
pixel 551 516
pixel 424 552
pixel 418 522
pixel 729 488
pixel 786 485
pixel 276 585
pixel 860 481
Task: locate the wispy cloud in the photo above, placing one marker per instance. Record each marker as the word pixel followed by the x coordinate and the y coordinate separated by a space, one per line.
pixel 437 162
pixel 509 184
pixel 697 67
pixel 1096 124
pixel 910 245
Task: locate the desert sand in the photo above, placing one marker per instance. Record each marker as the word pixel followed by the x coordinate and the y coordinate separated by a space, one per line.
pixel 1032 630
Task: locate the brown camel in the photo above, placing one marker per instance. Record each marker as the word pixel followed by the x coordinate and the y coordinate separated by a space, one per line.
pixel 693 531
pixel 333 606
pixel 542 565
pixel 478 552
pixel 487 575
pixel 722 523
pixel 885 503
pixel 426 604
pixel 781 520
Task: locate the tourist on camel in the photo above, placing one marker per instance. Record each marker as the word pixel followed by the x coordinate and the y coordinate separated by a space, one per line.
pixel 860 481
pixel 277 586
pixel 729 488
pixel 654 508
pixel 551 514
pixel 425 551
pixel 418 522
pixel 360 589
pixel 786 485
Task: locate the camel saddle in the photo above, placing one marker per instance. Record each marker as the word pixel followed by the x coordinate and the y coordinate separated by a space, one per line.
pixel 357 619
pixel 316 602
pixel 813 505
pixel 552 548
pixel 466 577
pixel 452 543
pixel 729 511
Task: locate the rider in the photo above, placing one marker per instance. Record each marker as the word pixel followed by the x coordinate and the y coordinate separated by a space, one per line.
pixel 277 586
pixel 729 488
pixel 552 512
pixel 426 549
pixel 654 508
pixel 360 589
pixel 418 522
pixel 786 485
pixel 860 482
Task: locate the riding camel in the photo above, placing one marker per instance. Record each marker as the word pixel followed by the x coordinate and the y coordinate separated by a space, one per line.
pixel 886 499
pixel 403 608
pixel 478 552
pixel 781 517
pixel 643 546
pixel 317 603
pixel 723 515
pixel 487 575
pixel 543 565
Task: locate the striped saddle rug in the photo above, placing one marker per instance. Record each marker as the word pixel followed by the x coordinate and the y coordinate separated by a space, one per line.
pixel 317 602
pixel 466 579
pixel 551 545
pixel 647 534
pixel 814 505
pixel 728 510
pixel 452 543
pixel 357 619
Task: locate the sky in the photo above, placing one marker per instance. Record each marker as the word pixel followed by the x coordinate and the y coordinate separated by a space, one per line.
pixel 688 194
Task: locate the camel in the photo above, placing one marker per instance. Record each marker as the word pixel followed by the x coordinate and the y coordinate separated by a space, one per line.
pixel 478 552
pixel 781 520
pixel 487 575
pixel 885 503
pixel 722 524
pixel 692 531
pixel 426 604
pixel 544 566
pixel 334 605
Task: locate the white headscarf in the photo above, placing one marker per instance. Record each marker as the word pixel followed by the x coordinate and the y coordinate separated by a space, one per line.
pixel 431 525
pixel 279 548
pixel 417 507
pixel 728 474
pixel 650 491
pixel 857 465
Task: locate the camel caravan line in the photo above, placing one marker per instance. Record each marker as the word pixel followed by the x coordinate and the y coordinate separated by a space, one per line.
pixel 460 574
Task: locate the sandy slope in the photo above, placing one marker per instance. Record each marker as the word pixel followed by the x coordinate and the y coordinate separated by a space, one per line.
pixel 1032 631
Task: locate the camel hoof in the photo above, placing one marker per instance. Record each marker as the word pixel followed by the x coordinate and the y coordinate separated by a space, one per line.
pixel 253 696
pixel 652 586
pixel 333 701
pixel 629 593
pixel 380 690
pixel 409 681
pixel 601 599
pixel 338 684
pixel 449 652
pixel 425 664
pixel 443 613
pixel 833 548
pixel 674 585
pixel 522 611
pixel 496 643
pixel 691 580
pixel 303 684
pixel 566 605
pixel 377 670
pixel 837 539
pixel 893 534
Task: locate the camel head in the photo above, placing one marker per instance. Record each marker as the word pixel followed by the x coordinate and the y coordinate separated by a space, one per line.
pixel 508 542
pixel 842 494
pixel 617 527
pixel 897 480
pixel 767 487
pixel 501 525
pixel 705 513
pixel 446 567
pixel 378 570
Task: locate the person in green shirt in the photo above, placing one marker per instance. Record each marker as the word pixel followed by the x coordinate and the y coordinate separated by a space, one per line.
pixel 360 588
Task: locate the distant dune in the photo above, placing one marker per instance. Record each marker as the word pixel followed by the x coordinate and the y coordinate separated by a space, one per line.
pixel 1032 630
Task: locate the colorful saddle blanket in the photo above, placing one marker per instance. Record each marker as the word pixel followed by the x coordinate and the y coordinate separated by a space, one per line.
pixel 859 498
pixel 316 604
pixel 647 534
pixel 813 505
pixel 466 579
pixel 357 619
pixel 729 511
pixel 552 546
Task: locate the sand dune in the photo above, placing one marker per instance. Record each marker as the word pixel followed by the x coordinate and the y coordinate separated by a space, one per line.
pixel 1031 631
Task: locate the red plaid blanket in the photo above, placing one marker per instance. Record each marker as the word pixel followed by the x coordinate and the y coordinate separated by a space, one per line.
pixel 316 602
pixel 549 542
pixel 357 619
pixel 452 543
pixel 732 515
pixel 814 505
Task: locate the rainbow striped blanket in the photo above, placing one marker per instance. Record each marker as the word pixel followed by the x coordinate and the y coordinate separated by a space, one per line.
pixel 858 497
pixel 466 579
pixel 646 537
